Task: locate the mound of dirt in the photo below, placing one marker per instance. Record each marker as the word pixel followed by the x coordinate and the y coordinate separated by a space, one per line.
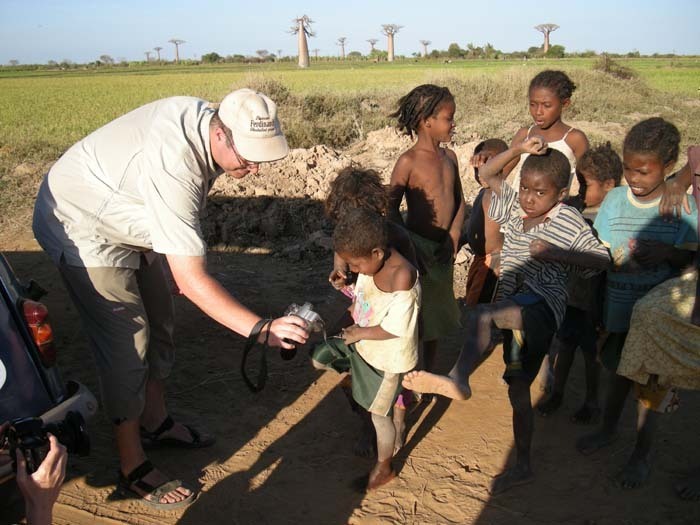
pixel 281 209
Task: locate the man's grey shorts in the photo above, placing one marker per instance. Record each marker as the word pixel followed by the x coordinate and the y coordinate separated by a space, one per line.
pixel 128 316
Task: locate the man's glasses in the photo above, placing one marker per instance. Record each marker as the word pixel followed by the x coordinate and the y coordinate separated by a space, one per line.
pixel 243 162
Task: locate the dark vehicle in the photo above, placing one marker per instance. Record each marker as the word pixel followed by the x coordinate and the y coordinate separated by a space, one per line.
pixel 30 383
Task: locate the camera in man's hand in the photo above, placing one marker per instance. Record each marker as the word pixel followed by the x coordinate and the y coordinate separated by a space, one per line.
pixel 29 435
pixel 314 321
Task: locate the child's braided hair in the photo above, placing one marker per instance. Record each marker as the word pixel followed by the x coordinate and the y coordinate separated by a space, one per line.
pixel 422 102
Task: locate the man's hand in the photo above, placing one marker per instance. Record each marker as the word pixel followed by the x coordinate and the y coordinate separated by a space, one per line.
pixel 40 489
pixel 290 328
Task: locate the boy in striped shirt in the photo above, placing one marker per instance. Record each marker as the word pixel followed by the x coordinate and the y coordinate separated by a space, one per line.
pixel 543 241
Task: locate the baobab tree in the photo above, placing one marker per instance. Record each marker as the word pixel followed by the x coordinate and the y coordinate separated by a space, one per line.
pixel 176 42
pixel 302 29
pixel 279 54
pixel 372 43
pixel 341 42
pixel 390 30
pixel 14 62
pixel 157 50
pixel 148 55
pixel 425 44
pixel 316 50
pixel 545 29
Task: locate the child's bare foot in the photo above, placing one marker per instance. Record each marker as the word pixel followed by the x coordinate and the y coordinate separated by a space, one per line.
pixel 381 474
pixel 550 405
pixel 512 477
pixel 634 474
pixel 586 415
pixel 400 426
pixel 593 442
pixel 422 381
pixel 689 487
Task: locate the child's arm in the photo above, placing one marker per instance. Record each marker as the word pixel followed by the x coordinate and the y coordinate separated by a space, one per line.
pixel 652 253
pixel 339 274
pixel 397 187
pixel 355 333
pixel 518 138
pixel 489 173
pixel 597 260
pixel 455 230
pixel 675 197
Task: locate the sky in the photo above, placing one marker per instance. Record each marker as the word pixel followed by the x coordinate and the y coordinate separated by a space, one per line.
pixel 36 31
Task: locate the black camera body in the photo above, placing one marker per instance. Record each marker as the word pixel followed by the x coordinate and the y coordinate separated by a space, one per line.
pixel 29 435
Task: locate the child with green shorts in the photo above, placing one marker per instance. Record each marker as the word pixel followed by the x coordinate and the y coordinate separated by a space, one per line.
pixel 382 345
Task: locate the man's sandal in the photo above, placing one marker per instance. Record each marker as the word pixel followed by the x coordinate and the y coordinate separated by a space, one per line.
pixel 151 440
pixel 127 485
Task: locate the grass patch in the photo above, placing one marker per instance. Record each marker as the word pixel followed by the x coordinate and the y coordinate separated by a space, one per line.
pixel 44 113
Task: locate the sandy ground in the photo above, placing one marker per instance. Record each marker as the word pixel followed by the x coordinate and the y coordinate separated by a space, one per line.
pixel 285 455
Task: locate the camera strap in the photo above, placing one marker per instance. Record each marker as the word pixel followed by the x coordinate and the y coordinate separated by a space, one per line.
pixel 249 345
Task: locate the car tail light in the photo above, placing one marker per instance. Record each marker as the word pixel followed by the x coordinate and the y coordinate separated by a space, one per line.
pixel 37 317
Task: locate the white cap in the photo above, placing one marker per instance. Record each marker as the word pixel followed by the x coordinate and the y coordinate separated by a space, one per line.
pixel 252 118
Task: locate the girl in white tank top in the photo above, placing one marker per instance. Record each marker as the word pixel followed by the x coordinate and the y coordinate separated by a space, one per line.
pixel 549 93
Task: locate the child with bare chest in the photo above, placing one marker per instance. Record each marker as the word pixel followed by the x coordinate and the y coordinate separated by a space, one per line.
pixel 427 175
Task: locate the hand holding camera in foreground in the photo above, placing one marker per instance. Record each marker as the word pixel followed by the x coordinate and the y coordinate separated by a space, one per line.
pixel 40 489
pixel 286 331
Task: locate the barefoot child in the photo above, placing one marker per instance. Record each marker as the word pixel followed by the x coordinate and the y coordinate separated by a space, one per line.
pixel 483 233
pixel 598 171
pixel 549 94
pixel 355 188
pixel 646 251
pixel 543 240
pixel 663 344
pixel 383 344
pixel 427 175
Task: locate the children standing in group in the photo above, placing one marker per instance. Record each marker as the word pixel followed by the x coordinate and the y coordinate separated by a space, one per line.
pixel 646 250
pixel 382 345
pixel 598 172
pixel 428 176
pixel 483 233
pixel 549 95
pixel 543 240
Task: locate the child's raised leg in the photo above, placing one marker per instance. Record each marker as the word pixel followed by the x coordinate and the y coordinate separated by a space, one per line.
pixel 618 389
pixel 477 345
pixel 523 426
pixel 383 472
pixel 638 467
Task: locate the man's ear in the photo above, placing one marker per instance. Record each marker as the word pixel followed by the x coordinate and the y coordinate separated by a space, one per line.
pixel 608 184
pixel 563 194
pixel 566 103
